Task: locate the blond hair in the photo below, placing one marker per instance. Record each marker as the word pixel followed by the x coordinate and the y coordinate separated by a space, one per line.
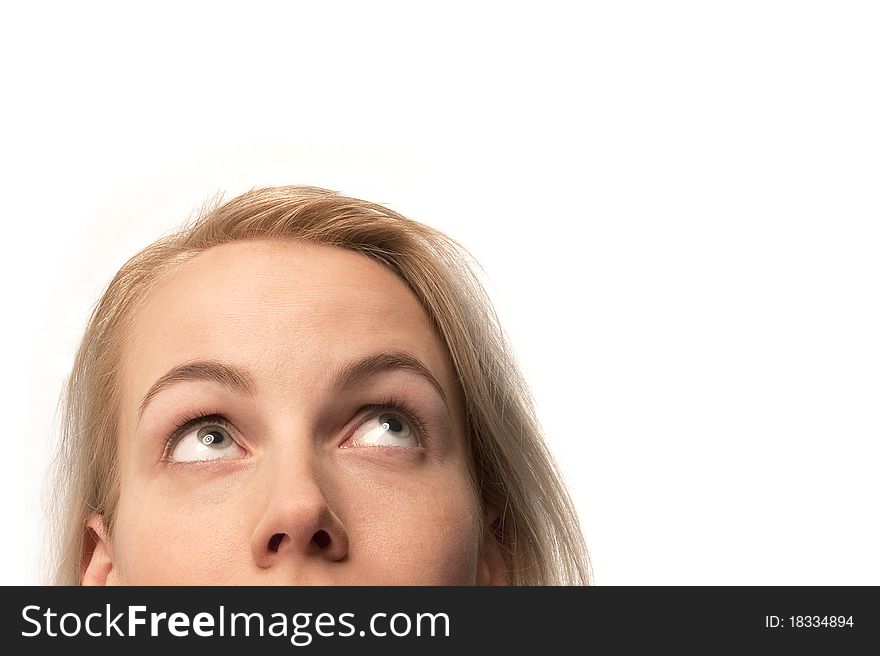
pixel 512 468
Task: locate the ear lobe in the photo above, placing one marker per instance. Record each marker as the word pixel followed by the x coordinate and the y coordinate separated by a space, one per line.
pixel 493 564
pixel 97 556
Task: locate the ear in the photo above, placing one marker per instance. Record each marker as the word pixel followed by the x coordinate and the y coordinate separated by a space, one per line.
pixel 492 568
pixel 97 555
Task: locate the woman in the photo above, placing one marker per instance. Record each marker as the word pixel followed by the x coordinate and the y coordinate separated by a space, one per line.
pixel 305 388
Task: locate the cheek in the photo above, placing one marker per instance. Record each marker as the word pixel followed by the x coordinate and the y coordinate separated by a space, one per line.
pixel 173 539
pixel 423 534
pixel 404 527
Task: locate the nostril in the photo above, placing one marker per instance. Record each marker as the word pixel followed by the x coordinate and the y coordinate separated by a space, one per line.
pixel 322 539
pixel 275 541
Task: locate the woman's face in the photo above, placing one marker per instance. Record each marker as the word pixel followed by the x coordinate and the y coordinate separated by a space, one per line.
pixel 289 416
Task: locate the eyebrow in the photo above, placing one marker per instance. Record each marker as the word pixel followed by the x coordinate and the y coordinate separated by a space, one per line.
pixel 224 375
pixel 358 371
pixel 239 381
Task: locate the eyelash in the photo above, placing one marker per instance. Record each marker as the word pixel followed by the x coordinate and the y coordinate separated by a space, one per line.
pixel 395 404
pixel 189 423
pixel 199 419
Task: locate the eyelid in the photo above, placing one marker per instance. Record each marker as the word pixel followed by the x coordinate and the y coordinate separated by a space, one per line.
pixel 393 405
pixel 196 421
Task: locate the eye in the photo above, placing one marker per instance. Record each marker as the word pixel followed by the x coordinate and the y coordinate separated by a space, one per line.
pixel 385 429
pixel 209 442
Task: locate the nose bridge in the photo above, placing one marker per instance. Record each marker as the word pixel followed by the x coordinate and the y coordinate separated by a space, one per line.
pixel 294 490
pixel 291 459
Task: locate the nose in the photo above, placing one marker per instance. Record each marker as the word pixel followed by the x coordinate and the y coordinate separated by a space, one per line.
pixel 299 523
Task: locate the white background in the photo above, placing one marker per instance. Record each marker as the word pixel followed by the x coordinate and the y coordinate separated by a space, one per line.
pixel 675 203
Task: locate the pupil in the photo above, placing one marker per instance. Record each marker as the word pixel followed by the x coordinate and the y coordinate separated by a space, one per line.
pixel 393 424
pixel 212 438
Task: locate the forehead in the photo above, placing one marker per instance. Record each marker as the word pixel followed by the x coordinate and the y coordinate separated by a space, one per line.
pixel 280 310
